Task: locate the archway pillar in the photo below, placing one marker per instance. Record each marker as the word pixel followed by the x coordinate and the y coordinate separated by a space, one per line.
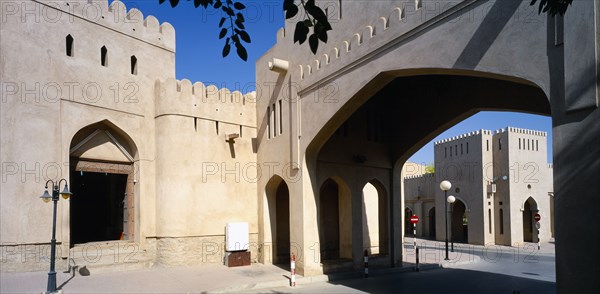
pixel 396 219
pixel 574 96
pixel 304 227
pixel 357 227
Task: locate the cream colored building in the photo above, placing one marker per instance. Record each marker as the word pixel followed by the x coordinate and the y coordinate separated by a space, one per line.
pixel 157 166
pixel 500 180
pixel 88 93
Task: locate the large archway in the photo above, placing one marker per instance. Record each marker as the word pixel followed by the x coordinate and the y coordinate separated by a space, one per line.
pixel 460 222
pixel 335 221
pixel 408 226
pixel 431 220
pixel 102 176
pixel 379 132
pixel 278 205
pixel 530 208
pixel 375 218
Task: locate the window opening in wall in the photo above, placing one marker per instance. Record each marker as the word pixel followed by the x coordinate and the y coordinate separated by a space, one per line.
pixel 450 151
pixel 519 143
pixel 487 145
pixel 499 144
pixel 269 122
pixel 69 45
pixel 280 118
pixel 445 151
pixel 133 65
pixel 241 131
pixel 467 147
pixel 103 53
pixel 217 127
pixel 490 220
pixel 501 215
pixel 456 149
pixel 340 7
pixel 537 146
pixel 274 116
pixel 461 149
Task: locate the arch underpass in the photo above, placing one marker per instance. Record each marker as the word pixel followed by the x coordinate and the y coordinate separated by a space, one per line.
pixel 363 105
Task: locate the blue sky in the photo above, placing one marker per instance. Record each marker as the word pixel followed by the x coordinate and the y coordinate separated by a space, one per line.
pixel 199 58
pixel 489 120
pixel 198 49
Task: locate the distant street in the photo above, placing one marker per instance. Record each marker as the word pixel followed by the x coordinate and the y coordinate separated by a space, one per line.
pixel 500 269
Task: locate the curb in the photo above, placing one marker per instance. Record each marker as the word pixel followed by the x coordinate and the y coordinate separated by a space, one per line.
pixel 451 264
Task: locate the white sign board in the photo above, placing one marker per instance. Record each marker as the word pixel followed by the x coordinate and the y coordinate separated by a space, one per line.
pixel 236 237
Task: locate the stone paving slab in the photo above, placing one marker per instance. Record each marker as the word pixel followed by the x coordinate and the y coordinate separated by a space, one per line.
pixel 213 278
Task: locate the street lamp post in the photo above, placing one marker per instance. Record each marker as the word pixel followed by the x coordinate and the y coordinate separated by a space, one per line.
pixel 54 197
pixel 445 186
pixel 451 200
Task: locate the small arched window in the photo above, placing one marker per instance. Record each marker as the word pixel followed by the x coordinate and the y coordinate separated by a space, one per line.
pixel 69 45
pixel 133 65
pixel 103 56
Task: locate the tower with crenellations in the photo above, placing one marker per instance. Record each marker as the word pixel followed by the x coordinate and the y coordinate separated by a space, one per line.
pixel 500 180
pixel 97 89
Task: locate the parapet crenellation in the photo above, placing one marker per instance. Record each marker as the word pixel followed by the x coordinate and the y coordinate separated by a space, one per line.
pixel 463 136
pixel 523 131
pixel 399 20
pixel 116 17
pixel 419 177
pixel 183 98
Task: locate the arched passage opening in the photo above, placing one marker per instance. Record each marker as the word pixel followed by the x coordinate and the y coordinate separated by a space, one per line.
pixel 431 219
pixel 335 221
pixel 530 208
pixel 278 205
pixel 408 227
pixel 460 222
pixel 397 113
pixel 102 176
pixel 375 218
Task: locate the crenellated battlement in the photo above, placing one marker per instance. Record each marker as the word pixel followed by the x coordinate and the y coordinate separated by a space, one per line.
pixel 419 177
pixel 116 17
pixel 463 136
pixel 522 131
pixel 174 97
pixel 394 23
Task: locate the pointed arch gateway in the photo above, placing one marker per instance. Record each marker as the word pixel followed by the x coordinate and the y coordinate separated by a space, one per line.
pixel 277 226
pixel 460 222
pixel 530 208
pixel 335 220
pixel 102 176
pixel 375 218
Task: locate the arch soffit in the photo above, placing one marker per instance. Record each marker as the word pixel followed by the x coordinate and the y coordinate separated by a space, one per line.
pixel 107 132
pixel 533 201
pixel 381 188
pixel 467 209
pixel 381 79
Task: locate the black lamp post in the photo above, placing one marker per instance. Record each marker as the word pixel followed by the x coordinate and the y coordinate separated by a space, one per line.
pixel 46 197
pixel 451 200
pixel 445 186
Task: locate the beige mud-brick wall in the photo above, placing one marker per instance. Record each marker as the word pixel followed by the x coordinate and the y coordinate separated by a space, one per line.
pixel 205 180
pixel 526 166
pixel 49 96
pixel 460 160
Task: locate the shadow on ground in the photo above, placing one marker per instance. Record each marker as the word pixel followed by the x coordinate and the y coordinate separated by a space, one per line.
pixel 450 281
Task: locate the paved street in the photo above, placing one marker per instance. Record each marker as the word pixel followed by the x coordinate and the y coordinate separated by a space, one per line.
pixel 471 269
pixel 499 269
